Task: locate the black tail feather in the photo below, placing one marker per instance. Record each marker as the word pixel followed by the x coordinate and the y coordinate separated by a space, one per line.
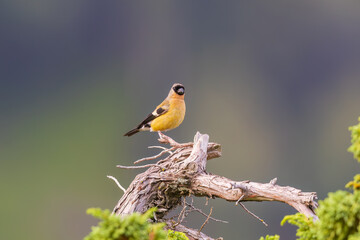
pixel 132 132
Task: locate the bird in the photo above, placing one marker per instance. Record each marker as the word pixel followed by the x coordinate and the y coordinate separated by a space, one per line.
pixel 166 116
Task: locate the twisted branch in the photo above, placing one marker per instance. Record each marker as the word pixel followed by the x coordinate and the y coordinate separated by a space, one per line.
pixel 183 173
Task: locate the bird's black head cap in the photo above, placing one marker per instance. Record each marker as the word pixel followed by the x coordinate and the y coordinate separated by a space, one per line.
pixel 178 89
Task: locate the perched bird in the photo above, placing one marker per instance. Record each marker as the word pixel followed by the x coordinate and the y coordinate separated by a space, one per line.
pixel 168 115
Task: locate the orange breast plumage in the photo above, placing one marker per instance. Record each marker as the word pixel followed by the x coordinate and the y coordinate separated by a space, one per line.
pixel 171 119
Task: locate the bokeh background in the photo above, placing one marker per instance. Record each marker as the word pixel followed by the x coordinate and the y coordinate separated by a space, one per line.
pixel 277 83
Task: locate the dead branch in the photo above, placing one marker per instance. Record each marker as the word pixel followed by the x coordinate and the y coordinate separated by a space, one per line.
pixel 194 209
pixel 183 173
pixel 117 183
pixel 251 213
pixel 207 219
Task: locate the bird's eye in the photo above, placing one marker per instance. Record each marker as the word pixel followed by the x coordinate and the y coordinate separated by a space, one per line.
pixel 180 91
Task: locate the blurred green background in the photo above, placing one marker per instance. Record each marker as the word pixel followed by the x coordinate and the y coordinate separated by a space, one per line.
pixel 275 82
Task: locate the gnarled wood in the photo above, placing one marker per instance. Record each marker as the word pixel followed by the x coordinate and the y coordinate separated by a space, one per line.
pixel 183 173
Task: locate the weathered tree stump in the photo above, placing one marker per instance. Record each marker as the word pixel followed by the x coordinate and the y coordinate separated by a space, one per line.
pixel 183 173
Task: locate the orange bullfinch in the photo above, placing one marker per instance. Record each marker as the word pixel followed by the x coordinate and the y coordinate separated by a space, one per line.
pixel 168 115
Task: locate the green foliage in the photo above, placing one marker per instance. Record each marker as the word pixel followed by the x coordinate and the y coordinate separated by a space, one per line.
pixel 339 213
pixel 268 237
pixel 339 216
pixel 355 236
pixel 173 235
pixel 355 140
pixel 132 227
pixel 355 185
pixel 305 225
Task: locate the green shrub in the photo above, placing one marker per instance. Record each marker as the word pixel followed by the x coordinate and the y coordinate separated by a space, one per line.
pixel 339 213
pixel 132 227
pixel 339 216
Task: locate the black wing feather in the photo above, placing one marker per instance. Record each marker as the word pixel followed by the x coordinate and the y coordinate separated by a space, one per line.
pixel 148 119
pixel 151 117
